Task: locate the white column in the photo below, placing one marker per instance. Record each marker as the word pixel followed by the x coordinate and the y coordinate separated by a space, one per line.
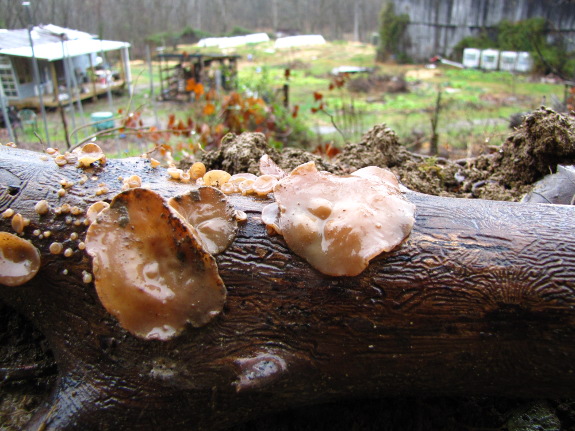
pixel 127 70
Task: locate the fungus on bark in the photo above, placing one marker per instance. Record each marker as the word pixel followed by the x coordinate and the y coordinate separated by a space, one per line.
pixel 264 184
pixel 216 178
pixel 94 210
pixel 150 270
pixel 209 212
pixel 88 154
pixel 339 223
pixel 19 260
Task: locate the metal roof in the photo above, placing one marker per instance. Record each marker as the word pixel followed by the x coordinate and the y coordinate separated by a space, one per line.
pixel 54 43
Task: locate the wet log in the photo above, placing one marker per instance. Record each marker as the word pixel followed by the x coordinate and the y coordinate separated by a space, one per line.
pixel 479 300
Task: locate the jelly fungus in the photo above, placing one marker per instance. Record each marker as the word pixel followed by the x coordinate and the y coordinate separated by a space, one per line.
pixel 42 207
pixel 8 213
pixel 174 172
pixel 19 260
pixel 269 167
pixel 216 178
pixel 339 223
pixel 132 182
pixel 19 223
pixel 94 210
pixel 197 170
pixel 264 184
pixel 88 154
pixel 209 212
pixel 56 248
pixel 149 269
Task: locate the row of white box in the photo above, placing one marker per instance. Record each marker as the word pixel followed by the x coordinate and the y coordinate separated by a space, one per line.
pixel 493 59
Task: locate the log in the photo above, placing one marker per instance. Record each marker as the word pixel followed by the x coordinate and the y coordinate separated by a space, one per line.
pixel 477 301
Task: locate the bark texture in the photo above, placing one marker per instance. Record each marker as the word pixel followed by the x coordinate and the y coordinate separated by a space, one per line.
pixel 477 301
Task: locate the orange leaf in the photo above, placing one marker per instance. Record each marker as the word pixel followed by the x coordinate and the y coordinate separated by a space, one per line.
pixel 209 109
pixel 190 85
pixel 317 95
pixel 295 111
pixel 199 89
pixel 171 121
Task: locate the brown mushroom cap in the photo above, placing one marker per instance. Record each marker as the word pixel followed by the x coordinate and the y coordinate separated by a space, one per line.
pixel 209 212
pixel 89 153
pixel 264 184
pixel 338 224
pixel 150 271
pixel 19 260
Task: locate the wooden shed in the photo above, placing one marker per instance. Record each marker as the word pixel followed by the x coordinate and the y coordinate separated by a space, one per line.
pixel 216 71
pixel 71 64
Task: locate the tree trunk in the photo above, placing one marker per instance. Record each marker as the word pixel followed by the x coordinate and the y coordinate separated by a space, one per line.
pixel 478 301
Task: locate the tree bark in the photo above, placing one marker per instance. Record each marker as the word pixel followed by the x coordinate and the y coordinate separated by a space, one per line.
pixel 477 301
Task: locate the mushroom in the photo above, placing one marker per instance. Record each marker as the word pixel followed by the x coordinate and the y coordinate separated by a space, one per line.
pixel 209 212
pixel 149 269
pixel 94 210
pixel 216 178
pixel 264 184
pixel 132 182
pixel 88 154
pixel 197 170
pixel 42 207
pixel 269 167
pixel 19 260
pixel 339 223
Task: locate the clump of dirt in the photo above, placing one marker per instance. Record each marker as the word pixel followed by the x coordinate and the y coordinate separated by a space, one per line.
pixel 379 146
pixel 544 140
pixel 241 153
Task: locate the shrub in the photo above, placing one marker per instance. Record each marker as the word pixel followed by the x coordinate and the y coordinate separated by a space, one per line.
pixel 391 33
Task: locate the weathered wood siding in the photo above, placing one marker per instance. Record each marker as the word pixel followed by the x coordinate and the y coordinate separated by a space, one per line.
pixel 436 26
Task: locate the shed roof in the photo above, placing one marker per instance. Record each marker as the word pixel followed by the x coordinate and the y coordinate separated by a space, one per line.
pixel 53 43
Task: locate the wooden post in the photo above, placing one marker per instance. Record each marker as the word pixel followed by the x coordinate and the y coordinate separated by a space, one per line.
pixel 127 70
pixel 93 79
pixel 59 102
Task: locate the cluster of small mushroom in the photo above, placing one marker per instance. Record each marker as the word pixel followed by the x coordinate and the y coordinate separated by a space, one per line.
pixel 84 156
pixel 243 183
pixel 18 222
pixel 18 255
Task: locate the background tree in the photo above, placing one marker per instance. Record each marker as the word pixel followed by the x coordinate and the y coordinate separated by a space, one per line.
pixel 392 29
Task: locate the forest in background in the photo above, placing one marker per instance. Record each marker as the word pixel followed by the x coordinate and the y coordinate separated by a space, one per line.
pixel 136 21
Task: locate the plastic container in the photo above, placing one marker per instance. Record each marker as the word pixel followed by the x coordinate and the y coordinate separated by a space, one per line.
pixel 103 120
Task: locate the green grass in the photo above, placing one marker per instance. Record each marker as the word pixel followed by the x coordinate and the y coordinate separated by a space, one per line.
pixel 473 109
